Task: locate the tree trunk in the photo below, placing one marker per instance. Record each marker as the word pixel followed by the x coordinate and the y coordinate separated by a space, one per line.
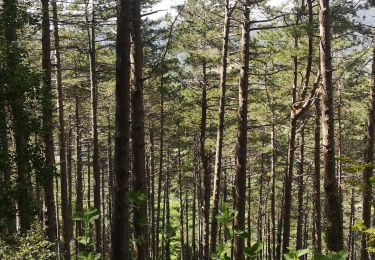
pixel 138 135
pixel 187 247
pixel 120 215
pixel 273 189
pixel 301 190
pixel 47 108
pixel 241 144
pixel 220 128
pixel 333 206
pixel 152 194
pixel 79 187
pixel 205 165
pixel 160 177
pixel 66 215
pixel 317 209
pixel 180 194
pixel 94 119
pixel 369 158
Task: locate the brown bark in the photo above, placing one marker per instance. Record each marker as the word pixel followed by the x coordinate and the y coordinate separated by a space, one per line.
pixel 120 214
pixel 47 107
pixel 94 119
pixel 333 205
pixel 206 170
pixel 79 187
pixel 273 190
pixel 152 193
pixel 138 135
pixel 220 128
pixel 301 190
pixel 180 195
pixel 66 215
pixel 317 236
pixel 161 158
pixel 369 158
pixel 241 142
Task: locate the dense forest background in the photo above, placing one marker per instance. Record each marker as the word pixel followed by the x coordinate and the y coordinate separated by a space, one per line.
pixel 215 129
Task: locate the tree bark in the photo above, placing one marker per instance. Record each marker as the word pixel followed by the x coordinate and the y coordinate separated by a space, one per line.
pixel 79 187
pixel 47 108
pixel 120 215
pixel 180 195
pixel 206 171
pixel 94 119
pixel 241 143
pixel 138 135
pixel 220 128
pixel 317 208
pixel 333 205
pixel 301 190
pixel 161 158
pixel 66 215
pixel 152 194
pixel 369 158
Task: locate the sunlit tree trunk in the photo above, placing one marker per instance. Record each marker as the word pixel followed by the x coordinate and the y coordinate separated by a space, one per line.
pixel 333 204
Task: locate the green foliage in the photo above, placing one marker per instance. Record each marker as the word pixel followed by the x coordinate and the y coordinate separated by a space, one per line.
pixel 136 199
pixel 30 246
pixel 295 254
pixel 253 250
pixel 87 217
pixel 223 250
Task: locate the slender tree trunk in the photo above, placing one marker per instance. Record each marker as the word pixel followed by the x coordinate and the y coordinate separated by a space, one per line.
pixel 273 190
pixel 167 218
pixel 160 177
pixel 301 190
pixel 317 208
pixel 88 176
pixel 241 144
pixel 138 135
pixel 94 119
pixel 369 158
pixel 260 203
pixel 152 194
pixel 120 214
pixel 333 206
pixel 286 210
pixel 187 247
pixel 110 170
pixel 79 187
pixel 194 214
pixel 351 240
pixel 104 247
pixel 249 197
pixel 47 108
pixel 205 165
pixel 180 194
pixel 66 215
pixel 220 129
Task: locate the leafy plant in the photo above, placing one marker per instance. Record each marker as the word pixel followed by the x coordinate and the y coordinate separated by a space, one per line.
pixel 87 217
pixel 253 250
pixel 223 250
pixel 294 254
